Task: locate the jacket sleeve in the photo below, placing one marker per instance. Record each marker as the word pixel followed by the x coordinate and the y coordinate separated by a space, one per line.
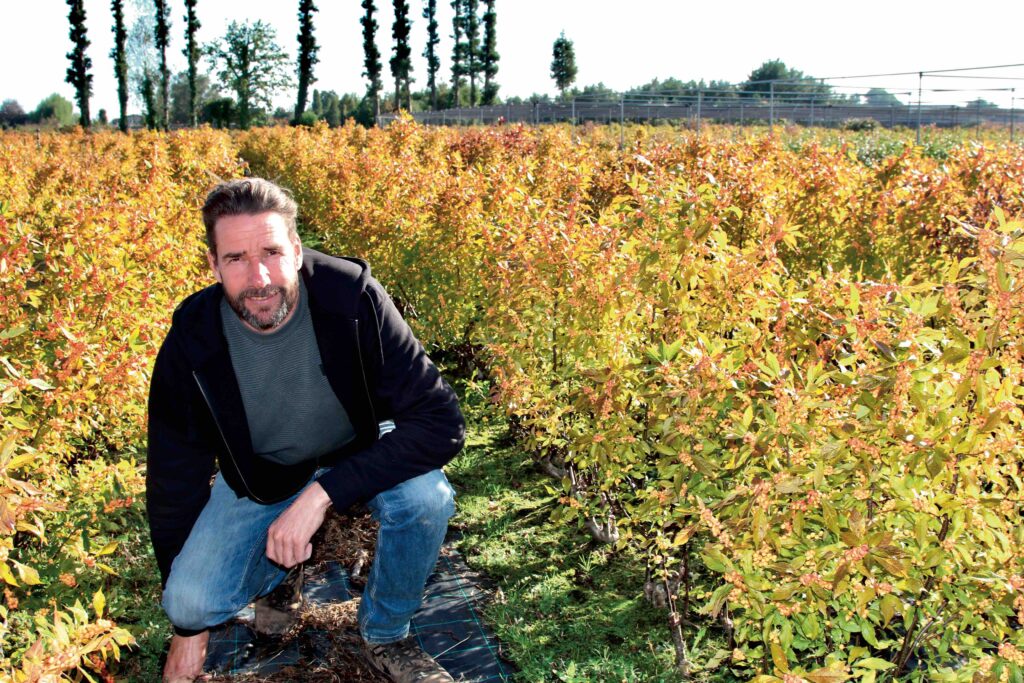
pixel 179 462
pixel 407 388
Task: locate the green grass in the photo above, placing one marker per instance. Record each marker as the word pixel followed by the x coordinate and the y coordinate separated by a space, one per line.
pixel 568 609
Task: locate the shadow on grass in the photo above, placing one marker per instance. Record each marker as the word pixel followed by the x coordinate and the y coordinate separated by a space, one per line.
pixel 566 608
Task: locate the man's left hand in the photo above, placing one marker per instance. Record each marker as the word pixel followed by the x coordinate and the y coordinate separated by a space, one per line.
pixel 288 540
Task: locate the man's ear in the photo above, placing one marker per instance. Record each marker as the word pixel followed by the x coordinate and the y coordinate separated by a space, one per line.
pixel 212 260
pixel 298 254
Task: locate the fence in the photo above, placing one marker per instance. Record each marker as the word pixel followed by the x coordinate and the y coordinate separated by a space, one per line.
pixel 692 110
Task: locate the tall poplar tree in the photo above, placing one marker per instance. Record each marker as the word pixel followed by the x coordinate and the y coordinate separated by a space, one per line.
pixel 457 56
pixel 192 54
pixel 78 73
pixel 433 60
pixel 307 54
pixel 117 53
pixel 489 57
pixel 162 34
pixel 471 51
pixel 371 55
pixel 401 58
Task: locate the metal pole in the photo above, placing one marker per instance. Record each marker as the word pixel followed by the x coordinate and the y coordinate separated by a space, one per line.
pixel 920 76
pixel 771 104
pixel 574 112
pixel 700 99
pixel 977 119
pixel 622 122
pixel 812 111
pixel 742 119
pixel 1013 95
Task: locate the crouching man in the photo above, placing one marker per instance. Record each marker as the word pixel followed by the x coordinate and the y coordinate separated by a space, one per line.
pixel 295 377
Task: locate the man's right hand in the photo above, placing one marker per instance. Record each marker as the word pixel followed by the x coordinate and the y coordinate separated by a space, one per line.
pixel 185 658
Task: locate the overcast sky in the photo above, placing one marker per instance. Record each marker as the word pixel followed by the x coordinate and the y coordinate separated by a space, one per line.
pixel 622 44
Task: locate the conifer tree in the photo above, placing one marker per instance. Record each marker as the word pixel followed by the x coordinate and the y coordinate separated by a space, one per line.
pixel 490 55
pixel 78 73
pixel 192 54
pixel 433 60
pixel 401 59
pixel 117 53
pixel 307 53
pixel 371 55
pixel 317 106
pixel 163 35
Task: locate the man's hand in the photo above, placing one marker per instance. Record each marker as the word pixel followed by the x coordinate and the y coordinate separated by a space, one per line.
pixel 185 658
pixel 288 537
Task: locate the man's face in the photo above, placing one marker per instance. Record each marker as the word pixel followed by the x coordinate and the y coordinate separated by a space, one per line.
pixel 258 265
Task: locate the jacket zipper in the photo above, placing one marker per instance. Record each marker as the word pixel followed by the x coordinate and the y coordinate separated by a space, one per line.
pixel 227 446
pixel 366 385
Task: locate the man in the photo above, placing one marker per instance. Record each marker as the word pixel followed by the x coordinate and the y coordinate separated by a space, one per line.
pixel 296 376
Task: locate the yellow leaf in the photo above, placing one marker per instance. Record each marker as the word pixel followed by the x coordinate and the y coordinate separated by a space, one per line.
pixel 27 574
pixel 779 657
pixel 98 603
pixel 6 575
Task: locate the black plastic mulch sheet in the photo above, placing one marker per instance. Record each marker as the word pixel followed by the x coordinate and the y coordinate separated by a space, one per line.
pixel 447 627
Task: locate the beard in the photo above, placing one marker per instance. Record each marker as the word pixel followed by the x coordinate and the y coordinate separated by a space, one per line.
pixel 267 315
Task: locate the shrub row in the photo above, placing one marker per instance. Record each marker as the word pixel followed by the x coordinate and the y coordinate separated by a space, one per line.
pixel 99 238
pixel 687 334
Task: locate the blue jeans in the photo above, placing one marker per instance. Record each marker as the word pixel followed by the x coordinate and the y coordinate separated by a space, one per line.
pixel 223 565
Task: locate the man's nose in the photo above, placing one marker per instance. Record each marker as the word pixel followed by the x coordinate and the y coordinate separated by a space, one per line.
pixel 259 274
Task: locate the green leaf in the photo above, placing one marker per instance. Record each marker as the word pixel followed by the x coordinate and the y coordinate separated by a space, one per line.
pixel 890 605
pixel 875 664
pixel 716 560
pixel 18 422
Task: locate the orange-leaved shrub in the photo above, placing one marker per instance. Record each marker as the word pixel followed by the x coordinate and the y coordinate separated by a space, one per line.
pixel 99 238
pixel 730 350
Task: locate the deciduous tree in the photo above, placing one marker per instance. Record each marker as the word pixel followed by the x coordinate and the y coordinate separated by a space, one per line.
pixel 143 64
pixel 401 58
pixel 471 49
pixel 490 53
pixel 251 64
pixel 775 77
pixel 563 63
pixel 458 58
pixel 371 55
pixel 307 53
pixel 11 114
pixel 192 54
pixel 162 33
pixel 118 54
pixel 78 73
pixel 430 52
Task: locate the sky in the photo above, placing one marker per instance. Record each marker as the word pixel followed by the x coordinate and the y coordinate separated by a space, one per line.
pixel 620 44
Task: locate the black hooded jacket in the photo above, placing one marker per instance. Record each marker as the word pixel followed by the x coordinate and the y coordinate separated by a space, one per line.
pixel 373 363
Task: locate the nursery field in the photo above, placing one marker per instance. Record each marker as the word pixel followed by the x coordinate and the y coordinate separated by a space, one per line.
pixel 775 377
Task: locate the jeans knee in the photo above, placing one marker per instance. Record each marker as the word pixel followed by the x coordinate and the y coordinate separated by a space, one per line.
pixel 188 605
pixel 428 499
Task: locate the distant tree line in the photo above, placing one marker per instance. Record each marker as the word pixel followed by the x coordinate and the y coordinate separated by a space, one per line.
pixel 247 68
